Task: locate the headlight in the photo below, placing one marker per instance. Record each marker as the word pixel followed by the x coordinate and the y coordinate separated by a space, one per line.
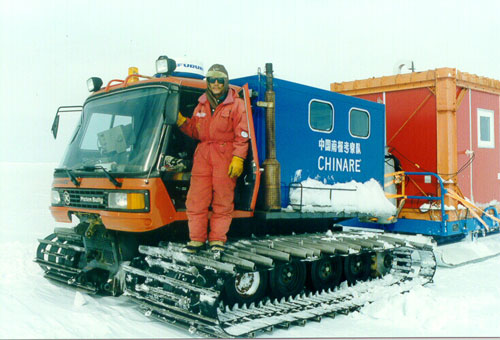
pixel 123 200
pixel 94 84
pixel 55 198
pixel 161 65
pixel 117 200
pixel 165 65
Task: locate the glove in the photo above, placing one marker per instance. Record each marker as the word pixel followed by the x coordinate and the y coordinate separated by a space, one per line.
pixel 180 119
pixel 174 164
pixel 236 167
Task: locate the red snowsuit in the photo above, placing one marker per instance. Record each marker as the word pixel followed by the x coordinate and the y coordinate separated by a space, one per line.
pixel 222 134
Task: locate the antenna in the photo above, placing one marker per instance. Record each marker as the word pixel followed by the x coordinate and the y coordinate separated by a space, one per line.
pixel 404 65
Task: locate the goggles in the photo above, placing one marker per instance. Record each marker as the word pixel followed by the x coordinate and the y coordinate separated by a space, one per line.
pixel 212 80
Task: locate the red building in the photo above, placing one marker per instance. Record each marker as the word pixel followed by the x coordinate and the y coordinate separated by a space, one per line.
pixel 442 121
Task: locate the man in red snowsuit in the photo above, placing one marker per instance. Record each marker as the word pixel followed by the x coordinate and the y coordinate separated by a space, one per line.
pixel 220 123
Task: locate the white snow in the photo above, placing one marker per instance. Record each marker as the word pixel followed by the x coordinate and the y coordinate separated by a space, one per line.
pixel 80 299
pixel 493 203
pixel 437 206
pixel 368 197
pixel 469 250
pixel 461 302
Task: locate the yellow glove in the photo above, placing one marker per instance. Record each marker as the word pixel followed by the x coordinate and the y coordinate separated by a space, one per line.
pixel 180 119
pixel 236 167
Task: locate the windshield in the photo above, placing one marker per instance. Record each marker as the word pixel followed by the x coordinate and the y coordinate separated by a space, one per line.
pixel 119 132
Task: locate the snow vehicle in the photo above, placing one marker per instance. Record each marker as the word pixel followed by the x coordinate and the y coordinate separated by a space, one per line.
pixel 125 176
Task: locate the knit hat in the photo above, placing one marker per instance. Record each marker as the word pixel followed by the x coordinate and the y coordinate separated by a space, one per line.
pixel 217 71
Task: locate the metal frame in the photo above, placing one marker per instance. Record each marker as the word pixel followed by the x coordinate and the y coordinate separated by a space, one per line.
pixel 445 227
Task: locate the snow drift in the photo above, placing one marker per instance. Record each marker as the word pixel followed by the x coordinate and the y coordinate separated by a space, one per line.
pixel 353 197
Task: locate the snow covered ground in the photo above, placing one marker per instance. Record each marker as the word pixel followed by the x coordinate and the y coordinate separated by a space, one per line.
pixel 462 302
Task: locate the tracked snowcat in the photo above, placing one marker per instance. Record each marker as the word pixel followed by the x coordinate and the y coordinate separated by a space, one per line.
pixel 125 177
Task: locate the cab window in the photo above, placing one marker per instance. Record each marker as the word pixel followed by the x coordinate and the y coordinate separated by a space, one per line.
pixel 359 123
pixel 320 116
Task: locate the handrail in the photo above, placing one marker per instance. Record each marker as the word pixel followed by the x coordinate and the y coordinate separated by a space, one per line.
pixel 126 81
pixel 298 185
pixel 474 210
pixel 111 81
pixel 444 191
pixel 135 76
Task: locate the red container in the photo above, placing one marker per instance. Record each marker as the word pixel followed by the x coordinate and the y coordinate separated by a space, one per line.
pixel 441 121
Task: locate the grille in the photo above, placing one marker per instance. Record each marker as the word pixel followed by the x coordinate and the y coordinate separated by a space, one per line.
pixel 85 198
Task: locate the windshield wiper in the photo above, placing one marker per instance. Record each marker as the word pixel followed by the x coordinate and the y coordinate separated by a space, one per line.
pixel 71 176
pixel 108 175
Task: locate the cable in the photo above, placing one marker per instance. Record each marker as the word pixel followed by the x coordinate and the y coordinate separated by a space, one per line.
pixel 462 168
pixel 465 166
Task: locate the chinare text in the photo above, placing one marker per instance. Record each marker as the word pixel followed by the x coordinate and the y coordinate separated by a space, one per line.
pixel 326 163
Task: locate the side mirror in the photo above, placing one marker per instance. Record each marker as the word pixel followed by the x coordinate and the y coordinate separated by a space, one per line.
pixel 172 108
pixel 55 125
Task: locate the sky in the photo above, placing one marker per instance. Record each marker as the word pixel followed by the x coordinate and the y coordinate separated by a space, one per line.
pixel 48 49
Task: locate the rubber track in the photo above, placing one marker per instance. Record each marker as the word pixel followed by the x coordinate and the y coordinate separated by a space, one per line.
pixel 184 290
pixel 58 255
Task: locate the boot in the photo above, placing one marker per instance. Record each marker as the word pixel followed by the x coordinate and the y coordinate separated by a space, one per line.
pixel 216 246
pixel 192 247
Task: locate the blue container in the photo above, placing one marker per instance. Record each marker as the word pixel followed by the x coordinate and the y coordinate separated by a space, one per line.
pixel 320 134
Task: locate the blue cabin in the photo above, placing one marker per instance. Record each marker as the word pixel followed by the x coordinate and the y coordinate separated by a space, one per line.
pixel 320 134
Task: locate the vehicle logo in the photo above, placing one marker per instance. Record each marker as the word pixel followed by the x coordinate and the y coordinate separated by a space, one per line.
pixel 92 199
pixel 66 198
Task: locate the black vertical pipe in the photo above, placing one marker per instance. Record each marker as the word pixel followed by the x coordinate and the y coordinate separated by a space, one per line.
pixel 272 169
